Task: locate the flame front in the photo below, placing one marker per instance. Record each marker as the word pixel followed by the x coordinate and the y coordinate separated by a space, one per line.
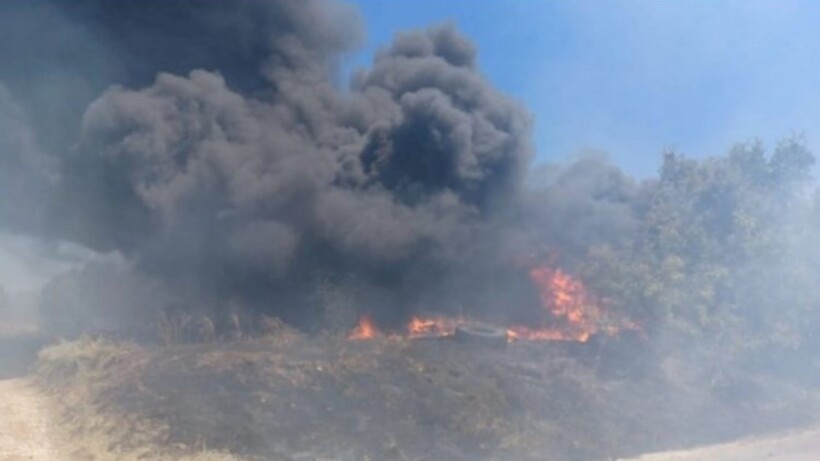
pixel 577 314
pixel 572 314
pixel 433 326
pixel 366 329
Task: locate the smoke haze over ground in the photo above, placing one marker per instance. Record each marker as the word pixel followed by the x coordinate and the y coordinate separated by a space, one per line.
pixel 205 172
pixel 209 145
pixel 203 156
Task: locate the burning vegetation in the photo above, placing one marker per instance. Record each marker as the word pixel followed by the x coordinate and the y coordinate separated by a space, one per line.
pixel 244 181
pixel 291 243
pixel 569 313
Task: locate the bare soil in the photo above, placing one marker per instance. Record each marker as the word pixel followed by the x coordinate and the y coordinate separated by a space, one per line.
pixel 796 446
pixel 305 398
pixel 25 424
pixel 293 397
pixel 26 434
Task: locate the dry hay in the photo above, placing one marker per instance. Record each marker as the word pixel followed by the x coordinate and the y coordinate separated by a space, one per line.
pixel 332 399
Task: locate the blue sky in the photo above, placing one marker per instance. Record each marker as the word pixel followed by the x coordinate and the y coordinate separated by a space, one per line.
pixel 632 78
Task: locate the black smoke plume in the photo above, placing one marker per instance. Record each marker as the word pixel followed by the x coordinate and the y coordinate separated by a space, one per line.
pixel 213 147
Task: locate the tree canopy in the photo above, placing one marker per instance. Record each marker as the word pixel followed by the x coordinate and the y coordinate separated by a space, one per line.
pixel 724 248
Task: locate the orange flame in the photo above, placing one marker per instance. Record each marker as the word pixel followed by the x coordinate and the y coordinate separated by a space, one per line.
pixel 433 326
pixel 366 329
pixel 574 315
pixel 566 298
pixel 517 332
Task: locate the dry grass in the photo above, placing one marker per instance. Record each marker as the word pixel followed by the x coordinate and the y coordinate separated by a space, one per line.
pixel 78 373
pixel 285 396
pixel 183 328
pixel 395 399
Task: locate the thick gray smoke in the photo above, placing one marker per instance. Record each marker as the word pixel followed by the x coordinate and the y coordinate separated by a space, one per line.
pixel 26 172
pixel 585 203
pixel 211 144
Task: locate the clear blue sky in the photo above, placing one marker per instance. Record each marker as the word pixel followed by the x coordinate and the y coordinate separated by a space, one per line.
pixel 632 78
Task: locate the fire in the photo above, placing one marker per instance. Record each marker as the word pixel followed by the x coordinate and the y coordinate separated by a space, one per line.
pixel 572 314
pixel 517 332
pixel 433 326
pixel 366 329
pixel 418 327
pixel 578 314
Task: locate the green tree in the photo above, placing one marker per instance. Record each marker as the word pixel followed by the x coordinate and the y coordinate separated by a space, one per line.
pixel 721 249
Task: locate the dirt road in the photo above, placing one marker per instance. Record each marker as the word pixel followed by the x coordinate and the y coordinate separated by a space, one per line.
pixel 25 435
pixel 797 446
pixel 24 424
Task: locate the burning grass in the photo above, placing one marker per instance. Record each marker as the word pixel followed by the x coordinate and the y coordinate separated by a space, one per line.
pixel 569 313
pixel 326 398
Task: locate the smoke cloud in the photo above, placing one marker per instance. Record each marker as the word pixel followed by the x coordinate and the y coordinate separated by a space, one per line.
pixel 212 146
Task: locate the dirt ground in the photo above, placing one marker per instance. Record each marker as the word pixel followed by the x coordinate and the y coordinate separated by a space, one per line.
pixel 292 396
pixel 25 433
pixel 323 398
pixel 302 393
pixel 795 446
